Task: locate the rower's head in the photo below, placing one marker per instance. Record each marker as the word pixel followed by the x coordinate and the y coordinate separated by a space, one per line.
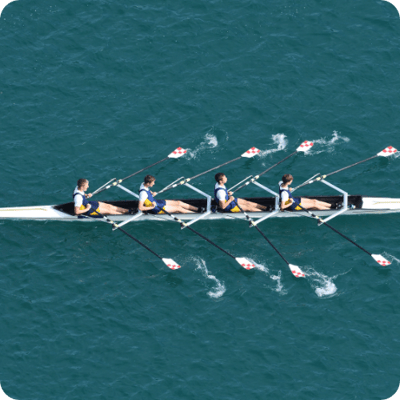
pixel 287 178
pixel 221 178
pixel 149 180
pixel 83 184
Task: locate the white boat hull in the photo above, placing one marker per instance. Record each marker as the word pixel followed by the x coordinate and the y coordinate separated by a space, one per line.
pixel 370 205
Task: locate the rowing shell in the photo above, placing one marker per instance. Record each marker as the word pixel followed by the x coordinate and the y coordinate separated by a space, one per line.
pixel 64 212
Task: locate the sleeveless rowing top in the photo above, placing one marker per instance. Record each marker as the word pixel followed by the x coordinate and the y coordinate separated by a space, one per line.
pixel 158 209
pixel 232 207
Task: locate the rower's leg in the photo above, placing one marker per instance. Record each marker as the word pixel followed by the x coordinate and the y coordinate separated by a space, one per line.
pixel 110 209
pixel 181 204
pixel 177 209
pixel 250 206
pixel 315 204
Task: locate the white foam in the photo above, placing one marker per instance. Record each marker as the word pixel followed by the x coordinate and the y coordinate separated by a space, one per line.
pixel 275 278
pixel 210 141
pixel 322 284
pixel 391 258
pixel 327 145
pixel 280 140
pixel 219 289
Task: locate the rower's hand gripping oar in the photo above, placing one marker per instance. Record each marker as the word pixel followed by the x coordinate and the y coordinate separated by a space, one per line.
pixel 167 261
pixel 294 269
pixel 244 262
pixel 179 152
pixel 377 257
pixel 248 154
pixel 304 147
pixel 384 153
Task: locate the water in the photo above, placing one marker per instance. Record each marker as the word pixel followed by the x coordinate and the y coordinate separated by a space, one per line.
pixel 99 90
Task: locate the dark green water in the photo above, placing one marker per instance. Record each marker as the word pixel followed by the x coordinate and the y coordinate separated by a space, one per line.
pixel 101 89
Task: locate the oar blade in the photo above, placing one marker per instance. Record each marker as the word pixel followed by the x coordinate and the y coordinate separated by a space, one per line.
pixel 387 152
pixel 305 146
pixel 296 271
pixel 245 263
pixel 381 260
pixel 170 263
pixel 179 152
pixel 251 152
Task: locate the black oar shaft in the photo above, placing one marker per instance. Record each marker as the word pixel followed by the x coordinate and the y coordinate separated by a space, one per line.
pixel 352 165
pixel 197 233
pixel 118 181
pixel 196 176
pixel 264 172
pixel 331 227
pixel 128 234
pixel 262 233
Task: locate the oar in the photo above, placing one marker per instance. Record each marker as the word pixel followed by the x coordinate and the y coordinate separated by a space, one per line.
pixel 377 257
pixel 304 147
pixel 294 269
pixel 248 154
pixel 244 262
pixel 384 153
pixel 167 261
pixel 175 154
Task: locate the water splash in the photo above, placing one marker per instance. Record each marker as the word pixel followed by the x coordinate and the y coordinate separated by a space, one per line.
pixel 276 278
pixel 280 140
pixel 219 289
pixel 210 141
pixel 322 284
pixel 327 145
pixel 391 258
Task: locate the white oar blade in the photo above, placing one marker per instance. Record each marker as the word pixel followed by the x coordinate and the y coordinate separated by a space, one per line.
pixel 245 263
pixel 387 152
pixel 251 152
pixel 296 271
pixel 170 263
pixel 305 146
pixel 380 260
pixel 179 152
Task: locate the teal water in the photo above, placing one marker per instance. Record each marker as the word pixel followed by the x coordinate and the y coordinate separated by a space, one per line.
pixel 101 89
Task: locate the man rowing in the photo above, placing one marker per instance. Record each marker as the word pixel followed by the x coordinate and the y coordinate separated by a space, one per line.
pixel 149 204
pixel 288 201
pixel 84 207
pixel 227 202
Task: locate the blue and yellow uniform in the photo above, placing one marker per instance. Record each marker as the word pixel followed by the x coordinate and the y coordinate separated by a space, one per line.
pixel 85 202
pixel 296 200
pixel 148 201
pixel 232 207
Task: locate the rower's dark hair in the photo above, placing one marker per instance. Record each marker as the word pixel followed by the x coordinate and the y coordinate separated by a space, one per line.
pixel 149 178
pixel 81 182
pixel 287 178
pixel 219 176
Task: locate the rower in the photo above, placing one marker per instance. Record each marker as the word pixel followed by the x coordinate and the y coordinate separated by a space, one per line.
pixel 149 204
pixel 288 201
pixel 84 207
pixel 227 202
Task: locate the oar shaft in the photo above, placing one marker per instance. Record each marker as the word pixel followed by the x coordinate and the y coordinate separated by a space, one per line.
pixel 197 233
pixel 352 165
pixel 196 176
pixel 117 182
pixel 331 227
pixel 264 172
pixel 262 233
pixel 128 234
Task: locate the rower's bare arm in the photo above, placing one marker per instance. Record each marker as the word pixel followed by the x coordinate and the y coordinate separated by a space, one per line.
pixel 78 211
pixel 142 207
pixel 284 206
pixel 224 204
